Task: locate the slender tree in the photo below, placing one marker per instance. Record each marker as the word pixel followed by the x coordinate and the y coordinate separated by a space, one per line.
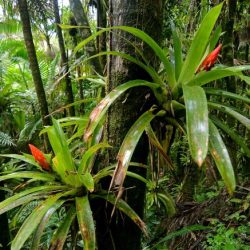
pixel 36 75
pixel 69 92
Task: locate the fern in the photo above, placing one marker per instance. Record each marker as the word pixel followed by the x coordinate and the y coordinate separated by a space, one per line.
pixel 6 140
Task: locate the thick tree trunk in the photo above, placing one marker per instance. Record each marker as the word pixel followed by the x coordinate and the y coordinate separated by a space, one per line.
pixel 82 20
pixel 68 90
pixel 123 234
pixel 23 9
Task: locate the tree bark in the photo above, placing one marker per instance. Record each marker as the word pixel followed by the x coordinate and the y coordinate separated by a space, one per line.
pixel 122 233
pixel 82 20
pixel 28 38
pixel 68 90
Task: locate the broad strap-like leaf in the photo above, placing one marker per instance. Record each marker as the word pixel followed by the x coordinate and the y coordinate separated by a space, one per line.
pixel 27 196
pixel 125 208
pixel 84 167
pixel 217 73
pixel 167 202
pixel 144 37
pixel 44 222
pixel 236 137
pixel 34 220
pixel 60 236
pixel 220 92
pixel 177 53
pixel 101 109
pixel 150 70
pixel 63 163
pixel 28 175
pixel 199 45
pixel 86 222
pixel 197 122
pixel 24 158
pixel 221 157
pixel 128 147
pixel 225 109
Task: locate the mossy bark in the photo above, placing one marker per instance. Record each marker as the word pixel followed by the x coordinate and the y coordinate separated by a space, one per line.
pixel 35 71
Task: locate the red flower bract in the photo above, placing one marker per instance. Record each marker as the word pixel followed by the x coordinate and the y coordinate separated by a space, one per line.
pixel 39 157
pixel 210 60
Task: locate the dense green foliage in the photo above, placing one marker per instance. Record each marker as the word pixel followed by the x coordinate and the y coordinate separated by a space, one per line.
pixel 197 127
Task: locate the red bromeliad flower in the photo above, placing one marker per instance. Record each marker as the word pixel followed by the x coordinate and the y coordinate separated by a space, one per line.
pixel 39 157
pixel 210 60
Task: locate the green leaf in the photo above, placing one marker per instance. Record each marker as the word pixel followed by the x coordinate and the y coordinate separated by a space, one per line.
pixel 125 208
pixel 29 175
pixel 99 111
pixel 129 144
pixel 144 37
pixel 220 92
pixel 197 122
pixel 90 153
pixel 60 236
pixel 217 73
pixel 199 45
pixel 88 181
pixel 86 222
pixel 39 231
pixel 241 118
pixel 236 137
pixel 63 163
pixel 150 70
pixel 33 221
pixel 221 157
pixel 24 158
pixel 168 203
pixel 177 53
pixel 215 38
pixel 27 196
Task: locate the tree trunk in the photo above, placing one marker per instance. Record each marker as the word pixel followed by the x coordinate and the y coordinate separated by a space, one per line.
pixel 122 233
pixel 68 90
pixel 23 9
pixel 82 20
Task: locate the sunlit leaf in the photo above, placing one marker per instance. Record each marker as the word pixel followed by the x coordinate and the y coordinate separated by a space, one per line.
pixel 33 221
pixel 221 157
pixel 86 222
pixel 44 222
pixel 241 118
pixel 197 122
pixel 217 73
pixel 128 146
pixel 147 39
pixel 199 45
pixel 99 111
pixel 236 137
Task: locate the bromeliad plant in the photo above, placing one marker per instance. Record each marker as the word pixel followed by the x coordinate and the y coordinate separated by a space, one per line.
pixel 182 99
pixel 61 181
